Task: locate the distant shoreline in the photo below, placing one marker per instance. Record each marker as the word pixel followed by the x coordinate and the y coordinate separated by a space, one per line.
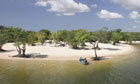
pixel 49 52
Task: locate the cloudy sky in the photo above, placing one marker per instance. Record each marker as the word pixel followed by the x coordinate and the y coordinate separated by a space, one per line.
pixel 71 14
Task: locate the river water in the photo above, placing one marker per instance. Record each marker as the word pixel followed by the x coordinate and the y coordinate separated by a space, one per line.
pixel 118 70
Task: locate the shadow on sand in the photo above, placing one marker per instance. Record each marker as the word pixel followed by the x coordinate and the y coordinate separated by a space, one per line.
pixel 2 50
pixel 41 56
pixel 98 58
pixel 111 49
pixel 33 55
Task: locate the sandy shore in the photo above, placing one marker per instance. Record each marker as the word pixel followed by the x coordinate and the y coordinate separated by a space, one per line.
pixel 50 52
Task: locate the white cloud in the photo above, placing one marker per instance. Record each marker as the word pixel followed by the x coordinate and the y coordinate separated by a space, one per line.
pixel 136 21
pixel 41 3
pixel 128 4
pixel 94 6
pixel 134 15
pixel 104 14
pixel 63 7
pixel 134 27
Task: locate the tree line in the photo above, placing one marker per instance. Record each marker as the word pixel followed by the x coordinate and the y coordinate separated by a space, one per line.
pixel 74 38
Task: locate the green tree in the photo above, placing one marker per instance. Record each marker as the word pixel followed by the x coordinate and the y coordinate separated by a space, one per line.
pixel 32 37
pixel 3 38
pixel 118 30
pixel 116 37
pixel 12 33
pixel 20 43
pixel 1 28
pixel 41 37
pixel 47 33
pixel 77 38
pixel 21 40
pixel 53 36
pixel 94 37
pixel 103 35
pixel 61 36
pixel 130 36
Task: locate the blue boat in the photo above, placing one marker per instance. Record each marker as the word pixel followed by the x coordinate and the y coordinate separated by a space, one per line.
pixel 81 60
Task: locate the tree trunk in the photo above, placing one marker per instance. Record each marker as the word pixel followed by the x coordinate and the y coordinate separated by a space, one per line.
pixel 75 47
pixel 114 43
pixel 97 45
pixel 0 47
pixel 95 51
pixel 130 42
pixel 23 50
pixel 19 50
pixel 19 53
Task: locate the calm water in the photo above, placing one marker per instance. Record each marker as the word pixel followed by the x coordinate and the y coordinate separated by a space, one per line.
pixel 119 70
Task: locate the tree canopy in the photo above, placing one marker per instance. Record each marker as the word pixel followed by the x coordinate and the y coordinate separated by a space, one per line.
pixel 74 38
pixel 3 38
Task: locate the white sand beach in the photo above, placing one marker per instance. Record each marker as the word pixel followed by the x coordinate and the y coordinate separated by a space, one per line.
pixel 50 52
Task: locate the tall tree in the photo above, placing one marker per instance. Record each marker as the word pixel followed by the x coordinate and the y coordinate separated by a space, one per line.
pixel 116 37
pixel 47 33
pixel 41 37
pixel 54 38
pixel 130 36
pixel 20 43
pixel 32 38
pixel 103 35
pixel 12 33
pixel 22 39
pixel 77 38
pixel 3 38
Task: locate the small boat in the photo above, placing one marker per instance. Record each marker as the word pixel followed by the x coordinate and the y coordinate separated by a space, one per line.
pixel 81 60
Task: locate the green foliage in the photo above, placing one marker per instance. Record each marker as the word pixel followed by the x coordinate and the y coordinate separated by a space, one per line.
pixel 3 37
pixel 47 33
pixel 2 41
pixel 50 42
pixel 53 36
pixel 130 36
pixel 41 37
pixel 60 36
pixel 103 35
pixel 21 41
pixel 118 30
pixel 31 38
pixel 116 37
pixel 20 37
pixel 12 33
pixel 77 38
pixel 1 28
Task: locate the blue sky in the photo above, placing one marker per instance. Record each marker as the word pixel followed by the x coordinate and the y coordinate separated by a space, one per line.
pixel 71 14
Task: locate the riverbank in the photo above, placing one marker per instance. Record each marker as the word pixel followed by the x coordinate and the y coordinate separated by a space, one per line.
pixel 51 52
